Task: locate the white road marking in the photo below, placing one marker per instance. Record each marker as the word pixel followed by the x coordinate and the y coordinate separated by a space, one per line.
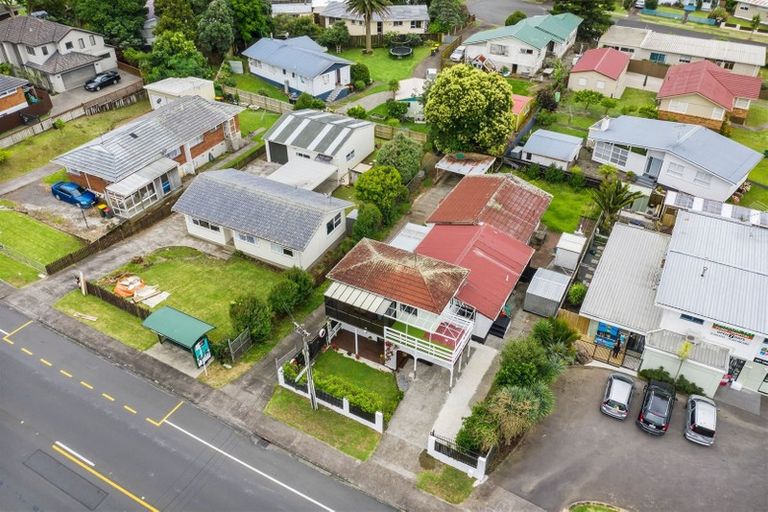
pixel 4 332
pixel 248 466
pixel 74 453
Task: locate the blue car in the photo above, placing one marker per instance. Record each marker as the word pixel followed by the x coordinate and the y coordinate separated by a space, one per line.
pixel 73 193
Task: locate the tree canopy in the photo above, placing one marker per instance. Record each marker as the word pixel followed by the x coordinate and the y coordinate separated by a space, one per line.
pixel 447 15
pixel 252 19
pixel 514 18
pixel 382 186
pixel 336 36
pixel 172 55
pixel 295 26
pixel 119 21
pixel 470 110
pixel 214 30
pixel 596 15
pixel 175 16
pixel 402 153
pixel 611 198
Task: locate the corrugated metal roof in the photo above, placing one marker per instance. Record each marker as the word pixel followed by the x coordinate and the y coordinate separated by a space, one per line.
pixel 717 268
pixel 557 146
pixel 709 354
pixel 355 296
pixel 410 236
pixel 416 12
pixel 721 156
pixel 466 164
pixel 323 132
pixel 303 173
pixel 536 31
pixel 133 146
pixel 623 289
pixel 175 86
pixel 258 206
pixel 606 61
pixel 571 242
pixel 299 55
pixel 548 284
pixel 142 177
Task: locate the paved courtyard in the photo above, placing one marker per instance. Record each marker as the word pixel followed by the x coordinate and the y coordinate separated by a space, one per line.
pixel 75 97
pixel 580 454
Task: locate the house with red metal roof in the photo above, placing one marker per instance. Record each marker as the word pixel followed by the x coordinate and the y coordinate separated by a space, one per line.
pixel 521 109
pixel 495 261
pixel 503 201
pixel 703 93
pixel 385 303
pixel 601 69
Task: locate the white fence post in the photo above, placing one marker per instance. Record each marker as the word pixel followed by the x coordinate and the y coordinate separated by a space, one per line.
pixel 379 422
pixel 280 377
pixel 345 405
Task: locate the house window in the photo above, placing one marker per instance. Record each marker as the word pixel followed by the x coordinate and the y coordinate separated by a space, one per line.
pixel 81 43
pixel 30 50
pixel 718 113
pixel 702 178
pixel 607 152
pixel 92 40
pixel 279 249
pixel 626 50
pixel 249 239
pixel 415 24
pixel 742 103
pixel 409 310
pixel 676 169
pixel 45 50
pixel 173 153
pixel 397 23
pixel 205 224
pixel 600 84
pixel 658 58
pixel 678 106
pixel 196 141
pixel 526 51
pixel 303 155
pixel 684 59
pixel 499 49
pixel 725 64
pixel 350 155
pixel 743 7
pixel 68 45
pixel 332 224
pixel 689 318
pixel 582 81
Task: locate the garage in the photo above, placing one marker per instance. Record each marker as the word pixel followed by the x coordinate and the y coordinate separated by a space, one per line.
pixel 277 152
pixel 77 77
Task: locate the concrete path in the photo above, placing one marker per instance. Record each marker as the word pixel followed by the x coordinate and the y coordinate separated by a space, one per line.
pixel 6 187
pixel 368 102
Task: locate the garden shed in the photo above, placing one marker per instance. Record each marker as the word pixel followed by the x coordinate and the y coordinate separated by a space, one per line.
pixel 546 292
pixel 569 249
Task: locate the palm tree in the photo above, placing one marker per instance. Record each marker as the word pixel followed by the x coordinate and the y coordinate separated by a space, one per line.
pixel 611 198
pixel 366 9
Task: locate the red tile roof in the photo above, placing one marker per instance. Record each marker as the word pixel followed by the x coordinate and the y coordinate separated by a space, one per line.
pixel 495 261
pixel 709 80
pixel 419 281
pixel 502 201
pixel 606 61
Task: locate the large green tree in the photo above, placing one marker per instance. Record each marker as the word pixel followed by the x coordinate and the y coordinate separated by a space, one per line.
pixel 175 16
pixel 172 55
pixel 62 11
pixel 470 110
pixel 383 187
pixel 366 9
pixel 611 198
pixel 119 21
pixel 402 153
pixel 446 15
pixel 336 36
pixel 252 20
pixel 596 15
pixel 214 30
pixel 295 26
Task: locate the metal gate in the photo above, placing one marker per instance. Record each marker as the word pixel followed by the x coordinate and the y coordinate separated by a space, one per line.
pixel 78 77
pixel 626 358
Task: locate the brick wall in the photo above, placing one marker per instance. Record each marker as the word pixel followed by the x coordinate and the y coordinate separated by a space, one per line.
pixel 712 124
pixel 93 183
pixel 14 99
pixel 739 115
pixel 210 139
pixel 182 158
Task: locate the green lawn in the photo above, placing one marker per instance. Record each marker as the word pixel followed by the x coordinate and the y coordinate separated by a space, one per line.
pixel 567 207
pixel 445 482
pixel 37 151
pixel 34 239
pixel 60 175
pixel 370 379
pixel 253 120
pixel 383 68
pixel 381 110
pixel 592 507
pixel 111 321
pixel 346 192
pixel 342 433
pixel 519 86
pixel 254 84
pixel 756 198
pixel 758 113
pixel 15 273
pixel 759 142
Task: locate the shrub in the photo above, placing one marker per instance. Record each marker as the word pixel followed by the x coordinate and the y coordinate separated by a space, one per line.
pixel 516 409
pixel 577 177
pixel 6 69
pixel 553 330
pixel 659 374
pixel 306 101
pixel 359 85
pixel 545 118
pixel 396 109
pixel 533 171
pixel 649 111
pixel 725 129
pixel 58 124
pixel 402 153
pixel 357 112
pixel 607 171
pixel 251 313
pixel 283 297
pixel 577 293
pixel 545 98
pixel 394 123
pixel 631 176
pixel 514 18
pixel 524 362
pixel 368 222
pixel 3 156
pixel 651 4
pixel 553 174
pixel 220 350
pixel 304 282
pixel 359 72
pixel 628 109
pixel 687 387
pixel 229 81
pixel 479 431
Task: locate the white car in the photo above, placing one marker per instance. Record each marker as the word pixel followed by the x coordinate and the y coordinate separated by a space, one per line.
pixel 431 74
pixel 458 54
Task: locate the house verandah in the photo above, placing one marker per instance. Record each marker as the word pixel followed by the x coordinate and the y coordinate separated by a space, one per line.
pixel 139 191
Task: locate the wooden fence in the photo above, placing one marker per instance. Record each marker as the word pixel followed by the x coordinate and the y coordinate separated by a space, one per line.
pixel 384 131
pixel 259 100
pixel 380 40
pixel 574 321
pixel 646 67
pixel 42 126
pixel 117 301
pixel 448 50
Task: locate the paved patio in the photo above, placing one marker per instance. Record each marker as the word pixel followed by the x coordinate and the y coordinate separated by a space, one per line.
pixel 75 97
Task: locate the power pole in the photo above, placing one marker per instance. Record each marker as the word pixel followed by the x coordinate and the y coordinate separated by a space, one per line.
pixel 308 363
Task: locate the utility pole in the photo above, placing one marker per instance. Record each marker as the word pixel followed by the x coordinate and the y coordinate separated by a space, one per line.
pixel 305 350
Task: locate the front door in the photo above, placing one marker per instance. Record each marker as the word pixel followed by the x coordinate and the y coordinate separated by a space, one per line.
pixel 653 167
pixel 379 27
pixel 338 76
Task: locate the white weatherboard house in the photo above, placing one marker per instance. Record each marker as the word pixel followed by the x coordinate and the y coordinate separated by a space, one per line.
pixel 300 65
pixel 679 156
pixel 173 88
pixel 54 56
pixel 338 141
pixel 522 47
pixel 282 225
pixel 748 9
pixel 400 19
pixel 547 148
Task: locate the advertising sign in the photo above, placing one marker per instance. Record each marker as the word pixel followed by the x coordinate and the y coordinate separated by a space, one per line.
pixel 739 336
pixel 202 352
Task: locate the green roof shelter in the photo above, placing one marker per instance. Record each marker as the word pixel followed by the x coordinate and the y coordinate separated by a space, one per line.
pixel 183 330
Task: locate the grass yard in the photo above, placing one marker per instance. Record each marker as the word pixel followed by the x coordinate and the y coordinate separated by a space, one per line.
pixel 519 86
pixel 756 198
pixel 758 141
pixel 381 110
pixel 567 207
pixel 254 120
pixel 37 151
pixel 254 84
pixel 60 175
pixel 33 239
pixel 383 68
pixel 346 192
pixel 445 482
pixel 342 433
pixel 112 321
pixel 15 273
pixel 758 113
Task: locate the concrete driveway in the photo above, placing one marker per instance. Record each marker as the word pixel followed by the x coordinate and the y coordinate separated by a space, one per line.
pixel 496 11
pixel 580 454
pixel 76 97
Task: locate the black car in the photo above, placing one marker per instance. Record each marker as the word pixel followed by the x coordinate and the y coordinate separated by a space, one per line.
pixel 656 411
pixel 102 80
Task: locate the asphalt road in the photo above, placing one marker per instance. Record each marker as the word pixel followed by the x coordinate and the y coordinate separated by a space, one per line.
pixel 79 433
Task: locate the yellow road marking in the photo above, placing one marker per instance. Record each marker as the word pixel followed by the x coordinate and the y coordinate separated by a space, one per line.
pixel 158 423
pixel 153 422
pixel 26 351
pixel 5 339
pixel 105 479
pixel 65 373
pixel 7 336
pixel 129 409
pixel 85 384
pixel 45 362
pixel 111 399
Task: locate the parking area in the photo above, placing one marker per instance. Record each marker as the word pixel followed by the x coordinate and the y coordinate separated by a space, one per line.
pixel 580 454
pixel 76 97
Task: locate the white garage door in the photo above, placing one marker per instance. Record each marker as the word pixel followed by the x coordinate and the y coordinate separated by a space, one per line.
pixel 77 78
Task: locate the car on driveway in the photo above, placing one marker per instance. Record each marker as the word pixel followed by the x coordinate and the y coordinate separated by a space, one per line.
pixel 700 420
pixel 656 411
pixel 73 193
pixel 102 80
pixel 617 396
pixel 458 54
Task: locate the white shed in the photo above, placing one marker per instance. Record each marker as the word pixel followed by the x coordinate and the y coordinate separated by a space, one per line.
pixel 172 88
pixel 546 292
pixel 568 250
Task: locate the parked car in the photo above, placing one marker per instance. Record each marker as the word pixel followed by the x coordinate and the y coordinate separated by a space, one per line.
pixel 618 396
pixel 700 420
pixel 73 193
pixel 102 80
pixel 640 4
pixel 458 54
pixel 656 412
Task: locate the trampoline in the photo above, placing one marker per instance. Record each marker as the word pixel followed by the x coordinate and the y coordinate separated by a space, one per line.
pixel 400 52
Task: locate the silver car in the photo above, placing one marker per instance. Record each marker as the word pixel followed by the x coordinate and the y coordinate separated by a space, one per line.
pixel 618 396
pixel 458 54
pixel 700 420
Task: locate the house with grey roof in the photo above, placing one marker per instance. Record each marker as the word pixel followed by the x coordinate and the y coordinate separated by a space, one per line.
pixel 340 142
pixel 400 19
pixel 136 165
pixel 521 48
pixel 274 222
pixel 298 65
pixel 545 147
pixel 54 56
pixel 679 156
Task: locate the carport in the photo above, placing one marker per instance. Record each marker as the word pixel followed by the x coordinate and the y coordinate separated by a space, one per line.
pixel 182 330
